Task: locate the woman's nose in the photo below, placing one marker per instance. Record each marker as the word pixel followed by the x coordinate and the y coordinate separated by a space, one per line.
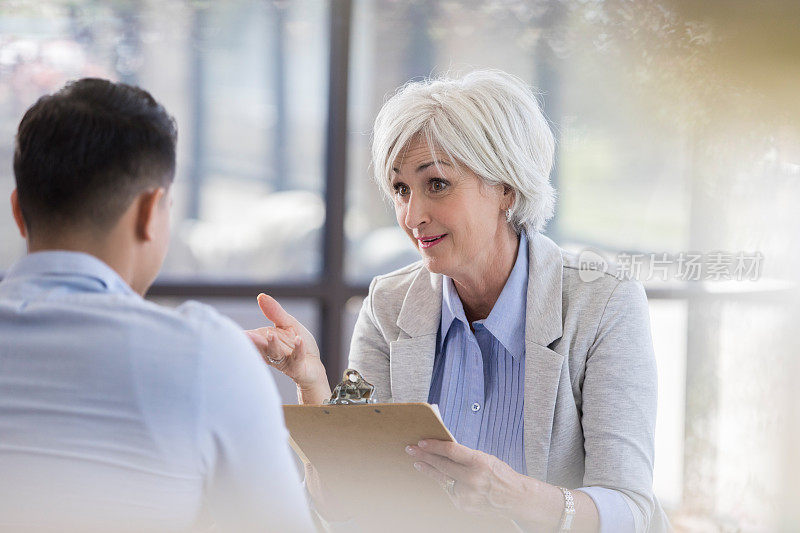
pixel 416 212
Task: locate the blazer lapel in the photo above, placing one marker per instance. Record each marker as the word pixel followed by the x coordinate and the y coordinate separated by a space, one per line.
pixel 543 325
pixel 542 374
pixel 411 356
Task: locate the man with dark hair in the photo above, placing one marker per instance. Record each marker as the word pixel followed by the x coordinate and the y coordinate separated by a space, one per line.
pixel 117 414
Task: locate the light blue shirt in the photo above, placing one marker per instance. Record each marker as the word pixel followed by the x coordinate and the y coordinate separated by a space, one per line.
pixel 118 414
pixel 478 382
pixel 478 379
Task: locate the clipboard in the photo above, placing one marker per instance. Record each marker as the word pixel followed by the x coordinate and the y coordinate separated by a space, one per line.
pixel 359 450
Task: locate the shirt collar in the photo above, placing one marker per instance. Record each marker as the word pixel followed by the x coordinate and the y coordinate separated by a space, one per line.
pixel 506 321
pixel 452 309
pixel 62 262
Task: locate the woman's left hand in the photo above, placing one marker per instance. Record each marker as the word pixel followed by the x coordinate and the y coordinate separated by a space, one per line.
pixel 483 483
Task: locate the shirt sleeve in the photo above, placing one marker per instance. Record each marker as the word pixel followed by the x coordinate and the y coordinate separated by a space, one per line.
pixel 251 479
pixel 615 515
pixel 619 404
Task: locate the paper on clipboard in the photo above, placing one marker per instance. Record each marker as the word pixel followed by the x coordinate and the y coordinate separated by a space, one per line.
pixel 359 450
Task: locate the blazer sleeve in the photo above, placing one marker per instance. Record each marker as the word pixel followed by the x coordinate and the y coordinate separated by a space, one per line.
pixel 619 403
pixel 369 348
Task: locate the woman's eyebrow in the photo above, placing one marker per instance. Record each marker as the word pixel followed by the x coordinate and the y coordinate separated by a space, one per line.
pixel 423 166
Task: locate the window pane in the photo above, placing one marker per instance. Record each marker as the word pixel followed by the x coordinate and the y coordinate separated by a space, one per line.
pixel 253 205
pixel 246 82
pixel 668 327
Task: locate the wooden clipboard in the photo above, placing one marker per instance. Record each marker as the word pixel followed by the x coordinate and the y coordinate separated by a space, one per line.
pixel 359 450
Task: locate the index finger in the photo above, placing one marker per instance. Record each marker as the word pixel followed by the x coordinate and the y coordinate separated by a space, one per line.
pixel 274 312
pixel 452 450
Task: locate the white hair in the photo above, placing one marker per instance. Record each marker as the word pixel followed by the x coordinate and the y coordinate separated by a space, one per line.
pixel 489 121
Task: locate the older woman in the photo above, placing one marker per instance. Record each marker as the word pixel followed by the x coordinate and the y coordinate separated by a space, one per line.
pixel 547 382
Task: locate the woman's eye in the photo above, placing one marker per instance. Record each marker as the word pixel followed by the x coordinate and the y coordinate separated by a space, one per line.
pixel 438 185
pixel 401 189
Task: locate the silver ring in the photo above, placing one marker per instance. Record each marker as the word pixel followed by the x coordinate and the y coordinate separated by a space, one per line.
pixel 450 486
pixel 275 361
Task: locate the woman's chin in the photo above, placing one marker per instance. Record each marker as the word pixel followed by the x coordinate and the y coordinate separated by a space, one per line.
pixel 434 265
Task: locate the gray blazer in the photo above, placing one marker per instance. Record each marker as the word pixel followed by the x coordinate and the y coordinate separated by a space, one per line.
pixel 590 373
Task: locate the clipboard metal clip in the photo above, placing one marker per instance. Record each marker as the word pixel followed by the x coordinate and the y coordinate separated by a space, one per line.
pixel 353 390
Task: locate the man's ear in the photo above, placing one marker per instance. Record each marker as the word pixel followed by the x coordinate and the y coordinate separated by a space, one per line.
pixel 17 211
pixel 146 213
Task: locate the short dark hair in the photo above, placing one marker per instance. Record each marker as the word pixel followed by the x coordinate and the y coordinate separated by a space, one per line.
pixel 85 152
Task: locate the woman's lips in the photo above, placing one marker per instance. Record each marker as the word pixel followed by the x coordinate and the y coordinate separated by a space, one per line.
pixel 427 242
